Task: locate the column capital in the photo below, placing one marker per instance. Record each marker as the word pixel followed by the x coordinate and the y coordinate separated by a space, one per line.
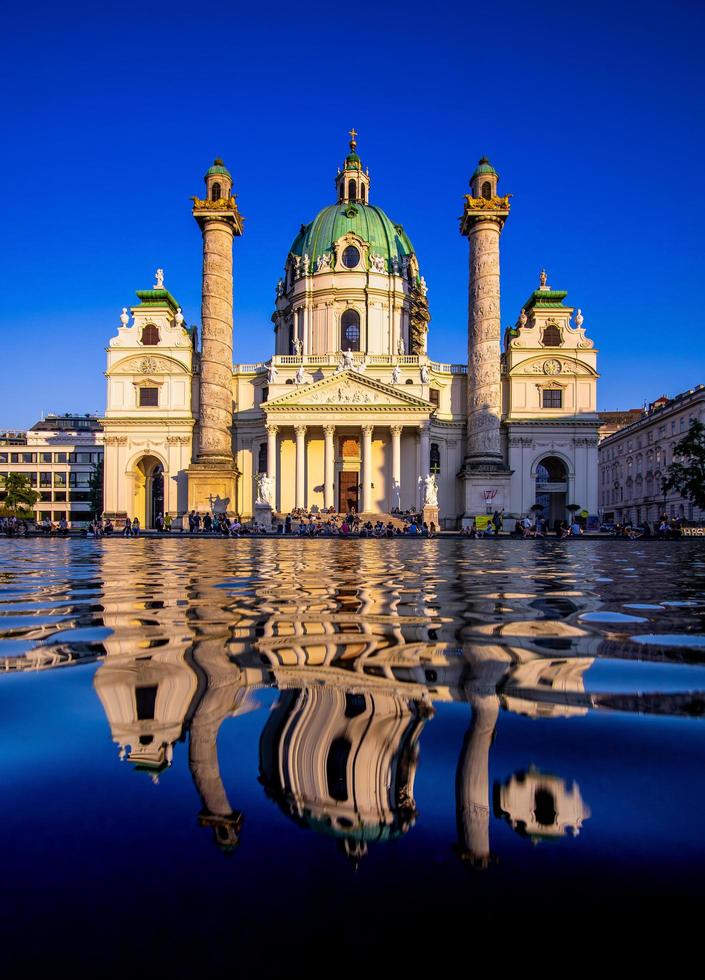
pixel 367 429
pixel 329 429
pixel 396 430
pixel 300 429
pixel 272 429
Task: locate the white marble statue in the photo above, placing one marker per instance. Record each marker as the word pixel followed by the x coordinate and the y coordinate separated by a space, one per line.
pixel 523 319
pixel 305 263
pixel 579 319
pixel 395 265
pixel 323 262
pixel 377 262
pixel 362 366
pixel 543 279
pixel 298 346
pixel 348 361
pixel 124 317
pixel 179 317
pixel 159 279
pixel 297 266
pixel 425 374
pixel 422 286
pixel 272 373
pixel 300 378
pixel 401 349
pixel 265 489
pixel 396 374
pixel 280 288
pixel 431 490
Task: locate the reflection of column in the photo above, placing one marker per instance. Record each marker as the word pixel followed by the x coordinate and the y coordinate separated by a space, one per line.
pixel 423 462
pixel 300 464
pixel 329 466
pixel 488 666
pixel 367 468
pixel 272 461
pixel 395 496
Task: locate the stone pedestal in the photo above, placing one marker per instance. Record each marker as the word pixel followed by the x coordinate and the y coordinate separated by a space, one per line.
pixel 212 487
pixel 477 481
pixel 263 515
pixel 430 513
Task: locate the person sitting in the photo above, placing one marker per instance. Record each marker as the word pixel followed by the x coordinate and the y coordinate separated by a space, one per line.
pixel 411 528
pixel 575 529
pixel 136 527
pixel 127 529
pixel 167 522
pixel 108 527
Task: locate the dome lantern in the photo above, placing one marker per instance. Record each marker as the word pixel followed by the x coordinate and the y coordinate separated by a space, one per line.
pixel 219 181
pixel 352 182
pixel 483 182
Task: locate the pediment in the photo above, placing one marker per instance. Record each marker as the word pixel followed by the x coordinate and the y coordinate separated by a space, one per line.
pixel 348 390
pixel 143 363
pixel 553 364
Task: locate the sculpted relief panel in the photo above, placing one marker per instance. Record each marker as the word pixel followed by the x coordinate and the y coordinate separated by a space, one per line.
pixel 484 393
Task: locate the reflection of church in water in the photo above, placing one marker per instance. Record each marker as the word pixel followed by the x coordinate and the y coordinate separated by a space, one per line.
pixel 339 751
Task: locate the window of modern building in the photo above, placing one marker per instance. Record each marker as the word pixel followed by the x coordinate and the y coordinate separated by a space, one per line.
pixel 351 257
pixel 149 397
pixel 3 457
pixel 552 398
pixel 350 330
pixel 60 495
pixel 29 457
pixel 59 479
pixel 59 457
pixel 45 479
pixel 551 336
pixel 78 516
pixel 150 335
pixel 434 464
pixel 45 457
pixel 14 457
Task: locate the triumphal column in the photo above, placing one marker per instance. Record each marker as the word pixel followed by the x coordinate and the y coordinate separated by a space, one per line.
pixel 212 477
pixel 486 473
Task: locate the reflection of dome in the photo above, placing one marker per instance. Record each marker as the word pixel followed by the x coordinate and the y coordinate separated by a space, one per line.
pixel 539 806
pixel 370 223
pixel 343 763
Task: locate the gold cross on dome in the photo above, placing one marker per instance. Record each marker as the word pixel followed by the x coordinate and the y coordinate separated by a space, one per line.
pixel 352 133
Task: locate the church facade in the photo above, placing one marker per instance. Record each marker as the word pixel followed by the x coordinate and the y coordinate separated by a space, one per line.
pixel 349 409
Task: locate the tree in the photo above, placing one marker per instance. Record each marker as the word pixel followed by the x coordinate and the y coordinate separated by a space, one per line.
pixel 18 493
pixel 95 485
pixel 687 474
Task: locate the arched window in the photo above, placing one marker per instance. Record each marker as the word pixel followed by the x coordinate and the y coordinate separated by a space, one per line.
pixel 352 190
pixel 551 470
pixel 262 459
pixel 487 190
pixel 552 336
pixel 362 193
pixel 150 335
pixel 434 463
pixel 350 330
pixel 215 192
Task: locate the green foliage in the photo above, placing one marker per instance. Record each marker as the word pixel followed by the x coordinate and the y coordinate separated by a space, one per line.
pixel 95 485
pixel 687 474
pixel 20 498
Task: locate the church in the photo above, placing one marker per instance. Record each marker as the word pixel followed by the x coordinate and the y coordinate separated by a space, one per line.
pixel 349 409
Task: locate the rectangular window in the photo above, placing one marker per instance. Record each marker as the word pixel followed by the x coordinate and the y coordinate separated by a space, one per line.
pixel 149 397
pixel 83 457
pixel 32 479
pixel 434 396
pixel 29 457
pixel 45 479
pixel 60 495
pixel 80 497
pixel 59 457
pixel 3 457
pixel 45 457
pixel 79 516
pixel 59 479
pixel 552 398
pixel 14 457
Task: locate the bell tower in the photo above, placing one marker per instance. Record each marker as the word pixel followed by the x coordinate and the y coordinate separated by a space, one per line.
pixel 352 182
pixel 212 477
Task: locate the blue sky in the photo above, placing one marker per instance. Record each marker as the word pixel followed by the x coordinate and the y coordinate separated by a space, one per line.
pixel 593 117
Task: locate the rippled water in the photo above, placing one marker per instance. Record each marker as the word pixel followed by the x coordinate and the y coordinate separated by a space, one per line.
pixel 210 745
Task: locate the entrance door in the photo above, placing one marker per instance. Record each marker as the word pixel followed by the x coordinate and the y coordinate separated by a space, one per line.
pixel 347 490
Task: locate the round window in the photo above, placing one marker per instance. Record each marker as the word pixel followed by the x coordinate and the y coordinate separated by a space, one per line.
pixel 351 257
pixel 352 333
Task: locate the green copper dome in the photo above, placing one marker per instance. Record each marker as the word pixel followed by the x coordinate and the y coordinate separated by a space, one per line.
pixel 369 223
pixel 218 168
pixel 484 167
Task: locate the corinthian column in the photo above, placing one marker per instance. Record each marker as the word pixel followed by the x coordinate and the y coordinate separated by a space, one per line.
pixel 212 478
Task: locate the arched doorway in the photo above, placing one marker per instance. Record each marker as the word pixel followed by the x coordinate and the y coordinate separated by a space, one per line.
pixel 148 497
pixel 552 488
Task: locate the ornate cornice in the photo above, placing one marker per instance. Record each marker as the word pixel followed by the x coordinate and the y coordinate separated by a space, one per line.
pixel 225 210
pixel 147 421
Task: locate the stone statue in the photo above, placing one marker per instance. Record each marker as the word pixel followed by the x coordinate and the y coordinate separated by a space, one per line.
pixel 396 374
pixel 543 278
pixel 265 489
pixel 395 265
pixel 362 366
pixel 412 267
pixel 124 317
pixel 401 350
pixel 579 319
pixel 300 378
pixel 280 288
pixel 323 262
pixel 179 317
pixel 159 276
pixel 297 266
pixel 305 263
pixel 422 286
pixel 340 366
pixel 272 373
pixel 298 346
pixel 348 361
pixel 431 490
pixel 425 375
pixel 523 319
pixel 377 262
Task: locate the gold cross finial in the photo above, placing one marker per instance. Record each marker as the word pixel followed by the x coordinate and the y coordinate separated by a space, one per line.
pixel 353 134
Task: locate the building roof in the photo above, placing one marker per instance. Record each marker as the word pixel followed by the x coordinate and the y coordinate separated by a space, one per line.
pixel 370 223
pixel 70 422
pixel 484 167
pixel 218 168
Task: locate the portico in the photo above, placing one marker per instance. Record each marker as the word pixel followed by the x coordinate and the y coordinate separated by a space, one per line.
pixel 374 461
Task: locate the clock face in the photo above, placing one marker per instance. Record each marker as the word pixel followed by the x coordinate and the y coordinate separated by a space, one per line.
pixel 351 257
pixel 552 367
